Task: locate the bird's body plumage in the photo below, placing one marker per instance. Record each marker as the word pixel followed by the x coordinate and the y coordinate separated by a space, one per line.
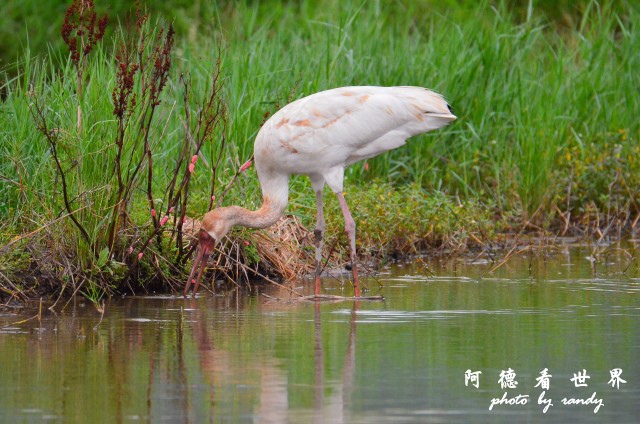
pixel 319 136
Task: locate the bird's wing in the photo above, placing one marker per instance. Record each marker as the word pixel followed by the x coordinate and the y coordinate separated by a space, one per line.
pixel 341 126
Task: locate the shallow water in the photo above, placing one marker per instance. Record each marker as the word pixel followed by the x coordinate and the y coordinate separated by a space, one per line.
pixel 252 358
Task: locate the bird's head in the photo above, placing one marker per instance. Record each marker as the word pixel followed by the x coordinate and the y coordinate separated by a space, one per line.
pixel 218 222
pixel 215 225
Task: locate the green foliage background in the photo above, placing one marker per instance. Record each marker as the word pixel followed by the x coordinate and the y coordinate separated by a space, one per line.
pixel 546 94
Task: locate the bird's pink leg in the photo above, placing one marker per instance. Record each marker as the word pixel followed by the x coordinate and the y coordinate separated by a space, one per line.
pixel 350 228
pixel 319 235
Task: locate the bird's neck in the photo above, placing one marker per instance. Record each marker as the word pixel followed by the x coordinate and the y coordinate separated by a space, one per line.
pixel 275 195
pixel 264 217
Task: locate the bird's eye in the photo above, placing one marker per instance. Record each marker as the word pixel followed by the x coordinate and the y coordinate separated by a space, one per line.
pixel 450 108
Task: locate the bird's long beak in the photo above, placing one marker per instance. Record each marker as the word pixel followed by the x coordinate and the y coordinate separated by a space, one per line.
pixel 205 246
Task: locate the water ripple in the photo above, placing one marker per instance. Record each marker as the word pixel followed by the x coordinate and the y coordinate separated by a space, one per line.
pixel 399 316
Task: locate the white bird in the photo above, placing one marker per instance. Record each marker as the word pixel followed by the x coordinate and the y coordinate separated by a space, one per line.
pixel 319 136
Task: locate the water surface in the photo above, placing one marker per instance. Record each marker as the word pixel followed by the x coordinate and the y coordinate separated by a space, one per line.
pixel 251 358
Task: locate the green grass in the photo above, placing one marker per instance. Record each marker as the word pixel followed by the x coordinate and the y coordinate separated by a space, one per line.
pixel 546 99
